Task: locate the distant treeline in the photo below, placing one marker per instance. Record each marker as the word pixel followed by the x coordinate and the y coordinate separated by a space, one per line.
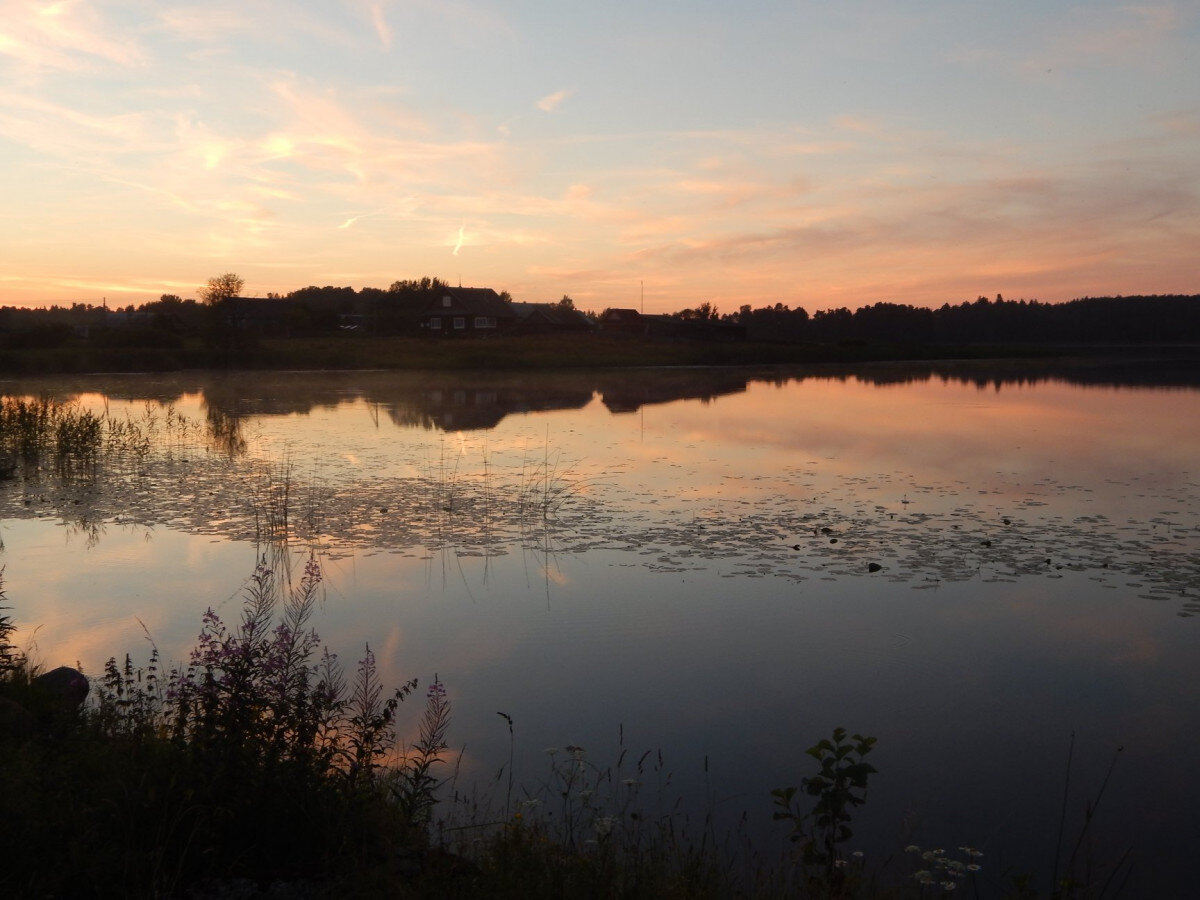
pixel 1160 319
pixel 307 312
pixel 172 321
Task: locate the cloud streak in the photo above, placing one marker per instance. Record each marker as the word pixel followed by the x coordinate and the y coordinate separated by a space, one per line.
pixel 551 102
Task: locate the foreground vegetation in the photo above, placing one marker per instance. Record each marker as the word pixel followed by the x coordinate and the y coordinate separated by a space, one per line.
pixel 256 760
pixel 259 768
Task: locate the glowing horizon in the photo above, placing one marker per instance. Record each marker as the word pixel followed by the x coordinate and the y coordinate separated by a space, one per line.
pixel 819 156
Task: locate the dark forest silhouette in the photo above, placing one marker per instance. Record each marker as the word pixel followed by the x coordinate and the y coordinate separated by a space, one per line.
pixel 314 311
pixel 1141 319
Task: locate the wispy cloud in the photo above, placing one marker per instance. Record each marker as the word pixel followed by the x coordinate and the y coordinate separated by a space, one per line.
pixel 377 11
pixel 278 138
pixel 551 102
pixel 68 35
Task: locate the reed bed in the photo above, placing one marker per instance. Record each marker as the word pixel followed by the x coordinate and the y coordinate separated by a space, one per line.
pixel 43 432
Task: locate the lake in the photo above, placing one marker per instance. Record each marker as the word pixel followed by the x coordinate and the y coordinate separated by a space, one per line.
pixel 983 567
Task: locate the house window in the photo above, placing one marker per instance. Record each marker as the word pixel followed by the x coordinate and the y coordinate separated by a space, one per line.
pixel 446 301
pixel 436 323
pixel 460 322
pixel 485 321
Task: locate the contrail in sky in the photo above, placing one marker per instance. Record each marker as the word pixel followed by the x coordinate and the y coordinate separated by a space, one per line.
pixel 458 246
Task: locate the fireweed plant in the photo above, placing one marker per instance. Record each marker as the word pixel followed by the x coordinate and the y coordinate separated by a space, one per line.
pixel 254 760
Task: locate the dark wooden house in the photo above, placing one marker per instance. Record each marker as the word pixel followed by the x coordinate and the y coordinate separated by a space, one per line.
pixel 477 312
pixel 550 318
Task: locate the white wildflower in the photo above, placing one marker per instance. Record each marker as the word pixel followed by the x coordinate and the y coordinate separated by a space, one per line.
pixel 604 825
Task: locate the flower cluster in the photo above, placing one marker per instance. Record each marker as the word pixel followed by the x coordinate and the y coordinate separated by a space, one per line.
pixel 943 870
pixel 257 687
pixel 259 694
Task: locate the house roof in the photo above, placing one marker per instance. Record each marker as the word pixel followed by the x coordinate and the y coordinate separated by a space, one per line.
pixel 620 314
pixel 550 313
pixel 471 302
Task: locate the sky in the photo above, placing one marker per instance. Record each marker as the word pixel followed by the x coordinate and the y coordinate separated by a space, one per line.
pixel 658 154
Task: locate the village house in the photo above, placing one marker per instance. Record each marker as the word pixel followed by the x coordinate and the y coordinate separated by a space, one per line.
pixel 617 320
pixel 550 318
pixel 460 311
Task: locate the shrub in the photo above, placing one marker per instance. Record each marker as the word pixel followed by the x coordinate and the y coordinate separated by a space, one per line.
pixel 252 761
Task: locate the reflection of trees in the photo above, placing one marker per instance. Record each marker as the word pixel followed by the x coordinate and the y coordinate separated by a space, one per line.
pixel 1178 372
pixel 225 432
pixel 456 401
pixel 622 392
pixel 461 402
pixel 272 393
pixel 121 388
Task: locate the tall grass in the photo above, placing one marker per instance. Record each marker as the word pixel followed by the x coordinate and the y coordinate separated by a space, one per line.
pixel 31 430
pixel 11 659
pixel 62 435
pixel 544 488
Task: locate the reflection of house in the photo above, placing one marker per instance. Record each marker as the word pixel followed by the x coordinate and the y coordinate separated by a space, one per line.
pixel 550 318
pixel 621 394
pixel 463 403
pixel 468 311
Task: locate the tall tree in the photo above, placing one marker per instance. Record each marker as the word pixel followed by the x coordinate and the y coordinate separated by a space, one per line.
pixel 221 287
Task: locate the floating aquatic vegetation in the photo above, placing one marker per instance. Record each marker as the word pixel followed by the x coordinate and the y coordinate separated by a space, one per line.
pixel 803 523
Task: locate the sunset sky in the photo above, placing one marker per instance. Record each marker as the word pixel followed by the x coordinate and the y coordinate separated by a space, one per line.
pixel 818 154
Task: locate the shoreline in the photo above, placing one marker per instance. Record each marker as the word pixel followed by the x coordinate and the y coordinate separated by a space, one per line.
pixel 545 354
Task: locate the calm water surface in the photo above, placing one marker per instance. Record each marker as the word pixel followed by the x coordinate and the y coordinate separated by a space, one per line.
pixel 971 565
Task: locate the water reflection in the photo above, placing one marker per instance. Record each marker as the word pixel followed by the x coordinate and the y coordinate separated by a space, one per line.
pixel 225 431
pixel 797 521
pixel 967 562
pixel 457 401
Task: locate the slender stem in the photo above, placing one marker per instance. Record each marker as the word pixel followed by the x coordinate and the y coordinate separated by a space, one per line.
pixel 1062 817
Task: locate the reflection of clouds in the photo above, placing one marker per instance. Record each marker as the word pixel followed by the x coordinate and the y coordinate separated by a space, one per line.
pixel 766 466
pixel 91 611
pixel 945 430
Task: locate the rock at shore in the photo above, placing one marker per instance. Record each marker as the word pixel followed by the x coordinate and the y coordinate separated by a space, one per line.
pixel 63 687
